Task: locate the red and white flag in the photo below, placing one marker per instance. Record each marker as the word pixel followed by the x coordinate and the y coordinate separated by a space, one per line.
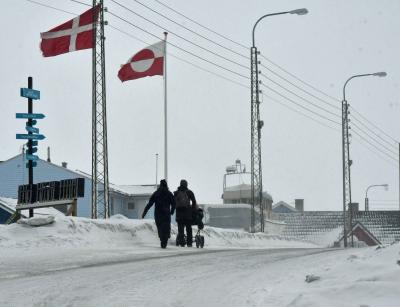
pixel 75 34
pixel 147 62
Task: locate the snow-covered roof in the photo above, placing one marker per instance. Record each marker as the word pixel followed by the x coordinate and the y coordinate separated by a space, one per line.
pixel 226 206
pixel 286 205
pixel 241 191
pixel 144 190
pixel 11 203
pixel 5 203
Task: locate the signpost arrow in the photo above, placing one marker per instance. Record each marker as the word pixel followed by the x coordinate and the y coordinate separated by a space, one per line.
pixel 30 93
pixel 29 115
pixel 20 136
pixel 32 129
pixel 32 157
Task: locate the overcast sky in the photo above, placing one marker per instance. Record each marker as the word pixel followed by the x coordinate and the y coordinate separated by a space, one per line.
pixel 209 117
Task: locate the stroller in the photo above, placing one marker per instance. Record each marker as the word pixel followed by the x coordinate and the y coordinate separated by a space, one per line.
pixel 198 215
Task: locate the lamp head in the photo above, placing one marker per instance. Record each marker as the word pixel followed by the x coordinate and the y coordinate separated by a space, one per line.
pixel 299 11
pixel 380 74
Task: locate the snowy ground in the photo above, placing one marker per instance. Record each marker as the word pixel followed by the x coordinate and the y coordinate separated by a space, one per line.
pixel 80 262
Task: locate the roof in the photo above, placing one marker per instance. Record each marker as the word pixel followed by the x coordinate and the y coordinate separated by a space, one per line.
pixel 286 205
pixel 5 204
pixel 241 191
pixel 9 204
pixel 226 206
pixel 359 225
pixel 145 190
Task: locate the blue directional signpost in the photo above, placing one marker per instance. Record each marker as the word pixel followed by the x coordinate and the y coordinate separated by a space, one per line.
pixel 33 135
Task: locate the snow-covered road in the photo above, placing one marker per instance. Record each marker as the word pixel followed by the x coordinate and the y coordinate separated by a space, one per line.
pixel 166 278
pixel 118 262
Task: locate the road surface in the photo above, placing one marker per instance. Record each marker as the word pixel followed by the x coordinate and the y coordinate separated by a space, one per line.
pixel 172 277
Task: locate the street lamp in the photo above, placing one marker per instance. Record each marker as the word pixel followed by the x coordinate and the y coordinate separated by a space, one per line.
pixel 256 126
pixel 386 186
pixel 302 11
pixel 346 162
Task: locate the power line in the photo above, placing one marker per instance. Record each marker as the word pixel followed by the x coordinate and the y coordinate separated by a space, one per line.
pixel 204 27
pixel 184 50
pixel 270 70
pixel 379 155
pixel 302 98
pixel 374 140
pixel 181 59
pixel 230 80
pixel 237 83
pixel 394 147
pixel 276 65
pixel 181 37
pixel 300 88
pixel 192 31
pixel 371 123
pixel 50 7
pixel 246 57
pixel 270 98
pixel 377 148
pixel 299 105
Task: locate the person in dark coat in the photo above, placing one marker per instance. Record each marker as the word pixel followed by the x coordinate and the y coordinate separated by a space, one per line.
pixel 164 208
pixel 185 207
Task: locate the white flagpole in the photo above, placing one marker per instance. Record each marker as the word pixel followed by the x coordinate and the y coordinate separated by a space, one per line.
pixel 165 110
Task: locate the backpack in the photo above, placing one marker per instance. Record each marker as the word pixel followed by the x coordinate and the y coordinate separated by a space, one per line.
pixel 182 200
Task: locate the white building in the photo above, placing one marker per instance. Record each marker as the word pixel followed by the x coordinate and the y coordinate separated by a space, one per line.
pixel 128 200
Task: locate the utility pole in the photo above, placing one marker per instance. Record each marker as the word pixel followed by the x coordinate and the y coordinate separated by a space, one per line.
pixel 346 168
pixel 256 126
pixel 100 191
pixel 346 162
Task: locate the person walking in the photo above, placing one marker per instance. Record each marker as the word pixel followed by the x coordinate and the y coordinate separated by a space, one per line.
pixel 185 207
pixel 164 207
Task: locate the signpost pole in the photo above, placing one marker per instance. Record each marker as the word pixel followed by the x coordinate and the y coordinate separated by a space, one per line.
pixel 30 111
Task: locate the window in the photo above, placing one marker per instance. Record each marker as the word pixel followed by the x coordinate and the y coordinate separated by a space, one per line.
pixel 131 206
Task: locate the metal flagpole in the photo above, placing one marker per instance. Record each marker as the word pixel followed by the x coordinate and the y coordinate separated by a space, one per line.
pixel 165 110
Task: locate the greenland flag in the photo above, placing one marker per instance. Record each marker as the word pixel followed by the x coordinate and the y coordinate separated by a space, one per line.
pixel 146 63
pixel 75 34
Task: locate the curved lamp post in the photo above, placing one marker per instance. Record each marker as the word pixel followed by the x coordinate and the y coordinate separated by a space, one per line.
pixel 256 126
pixel 385 185
pixel 346 162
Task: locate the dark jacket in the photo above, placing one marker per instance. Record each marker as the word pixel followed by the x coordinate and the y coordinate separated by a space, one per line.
pixel 165 204
pixel 185 215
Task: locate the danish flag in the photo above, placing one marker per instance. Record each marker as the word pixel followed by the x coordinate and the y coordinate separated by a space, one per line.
pixel 147 62
pixel 75 34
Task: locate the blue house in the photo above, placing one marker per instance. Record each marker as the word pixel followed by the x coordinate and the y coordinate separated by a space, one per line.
pixel 128 200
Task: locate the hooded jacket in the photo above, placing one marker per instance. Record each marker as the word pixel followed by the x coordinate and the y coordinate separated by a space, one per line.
pixel 164 203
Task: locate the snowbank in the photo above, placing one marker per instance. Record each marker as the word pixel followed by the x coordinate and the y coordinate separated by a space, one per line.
pixel 119 231
pixel 352 277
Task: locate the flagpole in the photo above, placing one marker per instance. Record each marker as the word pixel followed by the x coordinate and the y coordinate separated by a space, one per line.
pixel 165 110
